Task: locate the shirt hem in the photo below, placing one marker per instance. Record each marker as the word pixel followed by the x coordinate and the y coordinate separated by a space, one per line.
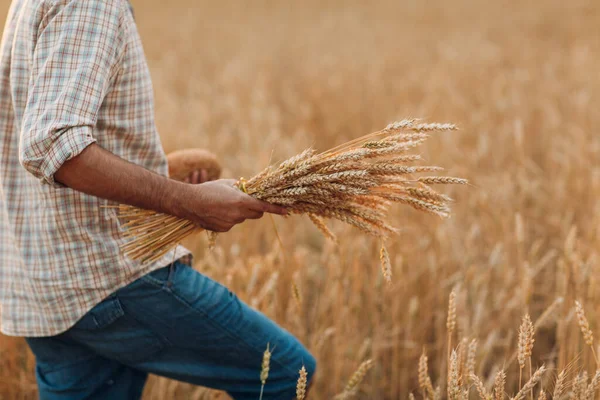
pixel 9 329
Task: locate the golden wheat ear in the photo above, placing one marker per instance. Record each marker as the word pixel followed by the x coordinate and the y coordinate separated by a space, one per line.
pixel 183 162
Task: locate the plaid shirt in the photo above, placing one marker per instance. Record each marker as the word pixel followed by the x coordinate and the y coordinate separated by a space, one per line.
pixel 71 73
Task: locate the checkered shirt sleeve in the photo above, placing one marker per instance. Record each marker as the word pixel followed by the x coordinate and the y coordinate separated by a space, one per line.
pixel 76 54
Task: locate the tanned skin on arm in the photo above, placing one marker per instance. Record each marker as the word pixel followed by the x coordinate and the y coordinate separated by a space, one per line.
pixel 215 205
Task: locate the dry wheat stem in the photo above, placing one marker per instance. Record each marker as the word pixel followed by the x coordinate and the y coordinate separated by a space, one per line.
pixel 354 183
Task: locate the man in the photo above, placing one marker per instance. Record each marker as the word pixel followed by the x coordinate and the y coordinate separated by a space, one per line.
pixel 77 133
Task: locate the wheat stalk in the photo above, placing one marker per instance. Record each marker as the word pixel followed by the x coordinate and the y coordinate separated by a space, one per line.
pixel 354 183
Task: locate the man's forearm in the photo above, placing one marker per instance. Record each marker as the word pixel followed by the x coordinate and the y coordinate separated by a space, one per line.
pixel 100 173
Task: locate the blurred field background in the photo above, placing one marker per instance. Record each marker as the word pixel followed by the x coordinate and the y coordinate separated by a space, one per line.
pixel 265 79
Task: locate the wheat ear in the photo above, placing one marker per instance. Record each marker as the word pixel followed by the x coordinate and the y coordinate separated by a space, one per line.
pixel 499 384
pixel 526 340
pixel 528 387
pixel 472 352
pixel 560 385
pixel 584 325
pixel 424 379
pixel 264 372
pixel 451 320
pixel 481 390
pixel 453 378
pixel 386 265
pixel 542 395
pixel 301 384
pixel 593 386
pixel 358 376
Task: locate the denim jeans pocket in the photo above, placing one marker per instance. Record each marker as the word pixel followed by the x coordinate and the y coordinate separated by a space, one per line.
pixel 113 332
pixel 102 315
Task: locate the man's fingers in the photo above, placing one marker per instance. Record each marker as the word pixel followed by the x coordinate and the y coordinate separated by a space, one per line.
pixel 203 176
pixel 254 214
pixel 215 224
pixel 195 177
pixel 267 207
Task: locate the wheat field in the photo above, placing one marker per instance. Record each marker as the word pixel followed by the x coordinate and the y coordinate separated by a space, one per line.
pixel 263 80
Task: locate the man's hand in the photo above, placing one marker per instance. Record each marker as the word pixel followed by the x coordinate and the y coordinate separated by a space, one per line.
pixel 219 206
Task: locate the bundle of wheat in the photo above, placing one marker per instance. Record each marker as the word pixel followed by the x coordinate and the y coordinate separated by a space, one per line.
pixel 354 183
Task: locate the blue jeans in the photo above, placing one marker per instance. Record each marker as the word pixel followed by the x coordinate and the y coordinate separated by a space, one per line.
pixel 173 322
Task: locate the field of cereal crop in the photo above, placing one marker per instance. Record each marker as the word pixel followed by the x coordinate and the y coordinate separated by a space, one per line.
pixel 261 80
